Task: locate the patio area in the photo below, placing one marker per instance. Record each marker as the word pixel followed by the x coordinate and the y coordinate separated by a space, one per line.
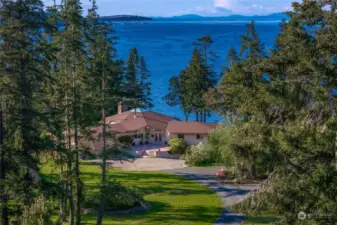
pixel 152 151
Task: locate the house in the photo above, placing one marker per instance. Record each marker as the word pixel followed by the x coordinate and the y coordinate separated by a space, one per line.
pixel 192 132
pixel 152 128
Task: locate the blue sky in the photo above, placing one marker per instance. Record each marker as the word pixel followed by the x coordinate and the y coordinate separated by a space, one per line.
pixel 179 7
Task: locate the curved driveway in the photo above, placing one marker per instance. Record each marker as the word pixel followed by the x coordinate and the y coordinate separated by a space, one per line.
pixel 229 194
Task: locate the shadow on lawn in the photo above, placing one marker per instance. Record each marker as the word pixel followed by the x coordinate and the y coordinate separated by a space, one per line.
pixel 149 183
pixel 261 219
pixel 160 212
pixel 216 185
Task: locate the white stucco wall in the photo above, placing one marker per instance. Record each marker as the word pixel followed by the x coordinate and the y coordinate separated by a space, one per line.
pixel 151 136
pixel 191 139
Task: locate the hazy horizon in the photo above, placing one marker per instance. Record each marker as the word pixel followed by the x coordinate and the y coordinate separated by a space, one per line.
pixel 168 8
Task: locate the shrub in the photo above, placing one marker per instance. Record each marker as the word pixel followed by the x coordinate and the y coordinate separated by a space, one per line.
pixel 118 197
pixel 178 146
pixel 220 146
pixel 197 155
pixel 38 213
pixel 87 155
pixel 217 150
pixel 126 140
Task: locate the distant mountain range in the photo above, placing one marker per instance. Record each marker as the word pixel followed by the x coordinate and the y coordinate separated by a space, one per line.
pixel 191 17
pixel 194 17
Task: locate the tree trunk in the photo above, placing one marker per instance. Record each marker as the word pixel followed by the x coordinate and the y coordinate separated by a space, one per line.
pixel 63 200
pixel 197 116
pixel 103 185
pixel 201 116
pixel 186 115
pixel 205 116
pixel 77 167
pixel 69 169
pixel 71 197
pixel 253 171
pixel 3 198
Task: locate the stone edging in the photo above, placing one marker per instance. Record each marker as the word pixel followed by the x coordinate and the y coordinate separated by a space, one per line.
pixel 138 209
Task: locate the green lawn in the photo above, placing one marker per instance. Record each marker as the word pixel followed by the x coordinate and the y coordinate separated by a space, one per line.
pixel 173 199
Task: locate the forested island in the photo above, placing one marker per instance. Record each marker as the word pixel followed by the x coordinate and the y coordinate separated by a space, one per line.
pixel 126 18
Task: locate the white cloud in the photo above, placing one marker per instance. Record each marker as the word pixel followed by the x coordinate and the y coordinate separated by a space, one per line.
pixel 253 6
pixel 205 11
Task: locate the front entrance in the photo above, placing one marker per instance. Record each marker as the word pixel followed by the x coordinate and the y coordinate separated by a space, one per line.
pixel 158 138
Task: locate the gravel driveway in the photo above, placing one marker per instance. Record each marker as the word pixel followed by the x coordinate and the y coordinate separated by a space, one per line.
pixel 229 194
pixel 147 164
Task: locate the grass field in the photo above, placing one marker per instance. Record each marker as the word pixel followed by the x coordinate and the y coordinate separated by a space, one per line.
pixel 173 200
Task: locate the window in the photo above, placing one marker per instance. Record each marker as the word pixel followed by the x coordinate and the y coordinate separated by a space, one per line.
pixel 181 136
pixel 199 137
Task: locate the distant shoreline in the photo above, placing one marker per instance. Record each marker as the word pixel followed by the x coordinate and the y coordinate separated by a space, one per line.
pixel 130 18
pixel 231 18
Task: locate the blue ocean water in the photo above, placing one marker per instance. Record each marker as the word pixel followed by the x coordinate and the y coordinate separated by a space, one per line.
pixel 167 47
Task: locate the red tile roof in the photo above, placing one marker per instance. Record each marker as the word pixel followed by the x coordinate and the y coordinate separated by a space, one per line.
pixel 131 121
pixel 180 127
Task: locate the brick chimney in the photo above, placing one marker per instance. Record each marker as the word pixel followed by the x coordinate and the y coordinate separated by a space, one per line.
pixel 121 108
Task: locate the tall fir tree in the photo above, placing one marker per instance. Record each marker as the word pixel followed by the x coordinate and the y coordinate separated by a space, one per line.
pixel 24 66
pixel 145 85
pixel 105 81
pixel 131 82
pixel 188 89
pixel 73 78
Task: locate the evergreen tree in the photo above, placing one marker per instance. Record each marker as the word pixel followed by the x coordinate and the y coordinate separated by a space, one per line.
pixel 145 85
pixel 137 88
pixel 193 82
pixel 285 103
pixel 204 44
pixel 131 82
pixel 104 83
pixel 188 89
pixel 24 67
pixel 72 80
pixel 175 94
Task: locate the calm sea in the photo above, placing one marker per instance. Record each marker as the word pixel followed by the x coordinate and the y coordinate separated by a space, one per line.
pixel 167 48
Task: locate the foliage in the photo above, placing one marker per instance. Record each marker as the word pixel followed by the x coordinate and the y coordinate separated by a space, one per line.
pixel 127 140
pixel 117 197
pixel 220 145
pixel 136 85
pixel 217 150
pixel 38 213
pixel 187 89
pixel 197 155
pixel 59 72
pixel 177 146
pixel 87 155
pixel 283 107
